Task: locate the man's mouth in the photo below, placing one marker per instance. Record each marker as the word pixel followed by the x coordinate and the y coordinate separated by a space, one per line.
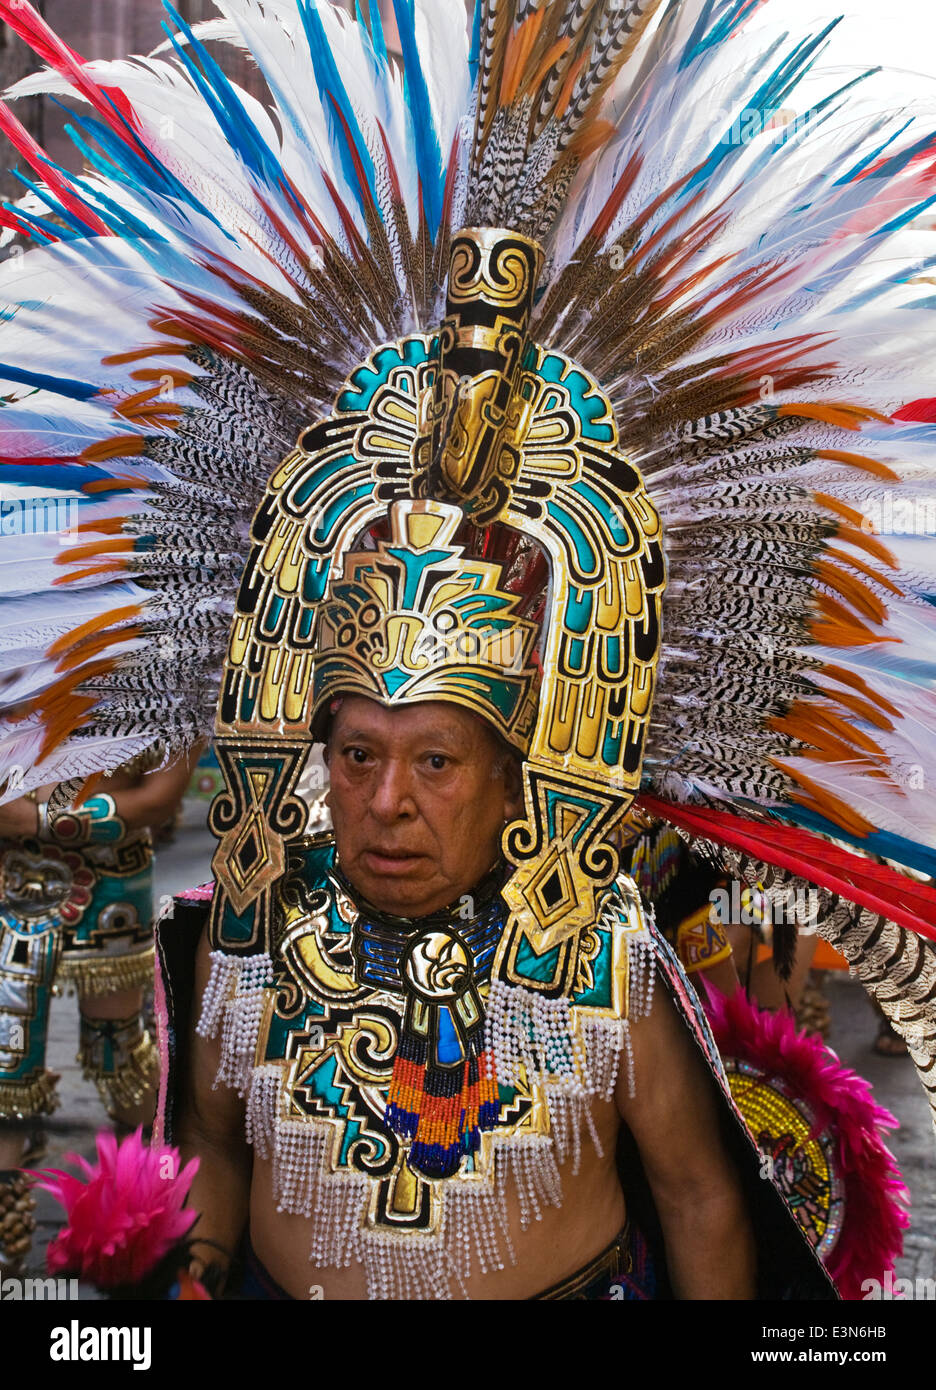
pixel 386 860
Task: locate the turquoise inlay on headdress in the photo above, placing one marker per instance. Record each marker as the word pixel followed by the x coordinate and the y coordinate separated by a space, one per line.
pixel 315 581
pixel 589 405
pixel 414 566
pixel 578 610
pixel 393 680
pixel 367 380
pixel 588 562
pixel 320 475
pixel 611 744
pixel 339 508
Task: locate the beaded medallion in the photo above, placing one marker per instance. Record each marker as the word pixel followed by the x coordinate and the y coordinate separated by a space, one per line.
pixel 802 1156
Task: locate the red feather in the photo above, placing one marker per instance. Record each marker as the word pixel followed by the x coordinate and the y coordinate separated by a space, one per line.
pixel 28 23
pixel 875 886
pixel 923 410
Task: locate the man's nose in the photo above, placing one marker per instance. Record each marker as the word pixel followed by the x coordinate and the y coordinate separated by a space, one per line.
pixel 393 792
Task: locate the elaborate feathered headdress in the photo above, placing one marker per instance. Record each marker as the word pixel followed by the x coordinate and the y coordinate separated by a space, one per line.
pixel 500 274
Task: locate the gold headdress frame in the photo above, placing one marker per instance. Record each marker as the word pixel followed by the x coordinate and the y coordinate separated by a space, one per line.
pixel 475 421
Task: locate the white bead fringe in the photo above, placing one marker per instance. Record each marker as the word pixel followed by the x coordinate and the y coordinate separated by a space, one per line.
pixel 233 1002
pixel 398 1265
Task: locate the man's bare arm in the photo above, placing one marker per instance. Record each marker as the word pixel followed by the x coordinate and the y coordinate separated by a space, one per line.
pixel 153 799
pixel 673 1118
pixel 157 796
pixel 212 1128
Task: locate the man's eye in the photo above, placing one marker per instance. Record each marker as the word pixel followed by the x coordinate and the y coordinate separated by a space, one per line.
pixel 438 761
pixel 357 755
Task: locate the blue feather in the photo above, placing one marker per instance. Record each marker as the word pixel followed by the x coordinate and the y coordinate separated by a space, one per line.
pixel 330 84
pixel 120 218
pixel 474 53
pixel 377 33
pixel 148 177
pixel 238 128
pixel 67 478
pixel 903 218
pixel 426 140
pixel 769 97
pixel 880 842
pixel 901 158
pixel 46 195
pixel 701 38
pixel 62 385
pixel 43 225
pixel 869 159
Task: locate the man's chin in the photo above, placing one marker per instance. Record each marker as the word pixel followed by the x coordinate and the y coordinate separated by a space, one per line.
pixel 398 894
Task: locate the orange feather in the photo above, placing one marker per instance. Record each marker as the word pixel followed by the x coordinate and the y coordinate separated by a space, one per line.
pixel 115 566
pixel 88 788
pixel 118 483
pixel 884 580
pixel 93 625
pixel 875 466
pixel 121 446
pixel 864 540
pixel 519 47
pixel 832 504
pixel 852 589
pixel 849 417
pixel 107 546
pixel 565 96
pixel 832 634
pixel 552 57
pixel 862 708
pixel 107 526
pixel 856 682
pixel 120 359
pixel 99 643
pixel 590 138
pixel 62 728
pixel 176 375
pixel 828 805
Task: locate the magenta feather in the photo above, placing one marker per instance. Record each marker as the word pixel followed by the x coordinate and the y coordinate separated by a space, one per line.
pixel 876 1197
pixel 124 1215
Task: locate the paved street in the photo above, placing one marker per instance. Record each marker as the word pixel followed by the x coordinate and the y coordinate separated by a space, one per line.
pixel 854 1026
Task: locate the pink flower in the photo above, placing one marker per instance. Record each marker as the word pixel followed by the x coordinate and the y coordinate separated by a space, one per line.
pixel 124 1216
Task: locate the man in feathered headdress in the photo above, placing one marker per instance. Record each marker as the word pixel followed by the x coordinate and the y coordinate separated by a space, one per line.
pixel 544 332
pixel 441 1020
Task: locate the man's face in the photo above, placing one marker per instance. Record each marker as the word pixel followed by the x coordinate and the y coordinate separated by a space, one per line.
pixel 418 797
